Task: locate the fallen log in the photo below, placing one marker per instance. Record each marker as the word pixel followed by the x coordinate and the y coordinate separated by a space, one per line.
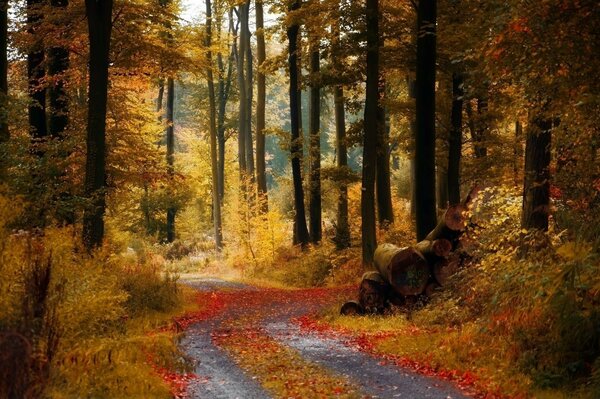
pixel 432 250
pixel 373 292
pixel 406 269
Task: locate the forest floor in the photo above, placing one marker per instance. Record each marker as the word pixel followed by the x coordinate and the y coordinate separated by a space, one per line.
pixel 251 342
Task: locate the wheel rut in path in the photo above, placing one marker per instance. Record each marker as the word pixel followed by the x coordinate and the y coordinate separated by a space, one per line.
pixel 220 377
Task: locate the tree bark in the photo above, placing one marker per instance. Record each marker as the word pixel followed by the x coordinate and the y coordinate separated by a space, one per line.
pixel 300 228
pixel 371 120
pixel 518 152
pixel 384 189
pixel 425 118
pixel 342 229
pixel 261 177
pixel 536 188
pixel 249 98
pixel 455 139
pixel 99 26
pixel 171 211
pixel 243 98
pixel 58 101
pixel 4 133
pixel 315 145
pixel 36 74
pixel 224 90
pixel 213 132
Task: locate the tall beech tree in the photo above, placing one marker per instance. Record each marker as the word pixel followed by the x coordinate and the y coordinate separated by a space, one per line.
pixel 385 210
pixel 4 133
pixel 342 228
pixel 170 135
pixel 249 95
pixel 315 142
pixel 36 72
pixel 261 177
pixel 425 200
pixel 225 79
pixel 99 16
pixel 300 229
pixel 216 201
pixel 371 129
pixel 241 53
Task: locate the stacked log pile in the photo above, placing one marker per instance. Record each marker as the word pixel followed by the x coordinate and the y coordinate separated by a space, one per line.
pixel 405 274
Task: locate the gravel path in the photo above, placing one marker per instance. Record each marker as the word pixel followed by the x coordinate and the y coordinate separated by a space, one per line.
pixel 221 378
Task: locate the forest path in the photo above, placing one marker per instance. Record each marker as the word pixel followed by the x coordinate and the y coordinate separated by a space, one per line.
pixel 247 346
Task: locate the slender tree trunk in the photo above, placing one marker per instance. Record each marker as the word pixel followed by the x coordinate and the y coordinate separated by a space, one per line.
pixel 58 63
pixel 442 186
pixel 249 99
pixel 224 90
pixel 342 232
pixel 171 211
pixel 300 228
pixel 4 134
pixel 36 74
pixel 243 99
pixel 213 131
pixel 385 208
pixel 410 82
pixel 455 139
pixel 342 229
pixel 536 189
pixel 315 145
pixel 425 119
pixel 100 26
pixel 261 177
pixel 159 98
pixel 371 128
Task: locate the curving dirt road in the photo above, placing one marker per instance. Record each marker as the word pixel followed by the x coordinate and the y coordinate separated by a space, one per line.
pixel 266 316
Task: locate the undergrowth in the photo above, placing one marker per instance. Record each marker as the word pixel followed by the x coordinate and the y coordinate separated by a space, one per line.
pixel 523 314
pixel 72 325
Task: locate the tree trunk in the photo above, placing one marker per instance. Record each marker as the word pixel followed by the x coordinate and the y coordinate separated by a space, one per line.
pixel 315 145
pixel 159 98
pixel 371 121
pixel 224 90
pixel 455 139
pixel 411 87
pixel 99 25
pixel 58 62
pixel 536 189
pixel 36 73
pixel 384 189
pixel 425 119
pixel 300 228
pixel 243 99
pixel 170 155
pixel 4 134
pixel 249 98
pixel 213 132
pixel 342 229
pixel 261 177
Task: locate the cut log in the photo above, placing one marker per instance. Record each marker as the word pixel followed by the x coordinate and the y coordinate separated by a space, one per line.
pixel 406 269
pixel 433 250
pixel 373 292
pixel 454 221
pixel 444 269
pixel 352 308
